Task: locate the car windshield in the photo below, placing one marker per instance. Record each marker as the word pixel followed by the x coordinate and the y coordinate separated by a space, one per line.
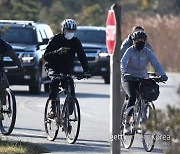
pixel 91 36
pixel 19 35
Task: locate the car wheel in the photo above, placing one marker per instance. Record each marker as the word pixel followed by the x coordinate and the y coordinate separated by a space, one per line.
pixel 107 80
pixel 46 87
pixel 36 88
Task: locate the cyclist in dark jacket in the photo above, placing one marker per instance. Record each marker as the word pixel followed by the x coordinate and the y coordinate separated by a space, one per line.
pixel 6 49
pixel 60 54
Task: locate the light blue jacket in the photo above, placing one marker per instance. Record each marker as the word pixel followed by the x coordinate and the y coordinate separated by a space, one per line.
pixel 135 62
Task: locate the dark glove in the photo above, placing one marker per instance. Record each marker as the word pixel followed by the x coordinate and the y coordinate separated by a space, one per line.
pixel 87 74
pixel 62 50
pixel 164 77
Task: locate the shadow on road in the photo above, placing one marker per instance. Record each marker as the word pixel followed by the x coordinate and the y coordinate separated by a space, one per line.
pixel 86 95
pixel 136 149
pixel 81 146
pixel 45 94
pixel 29 129
pixel 26 93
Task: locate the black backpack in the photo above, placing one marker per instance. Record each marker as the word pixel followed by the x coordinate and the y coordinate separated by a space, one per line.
pixel 149 89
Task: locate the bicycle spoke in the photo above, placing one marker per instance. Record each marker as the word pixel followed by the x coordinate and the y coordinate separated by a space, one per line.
pixel 126 139
pixel 51 126
pixel 8 113
pixel 148 130
pixel 73 123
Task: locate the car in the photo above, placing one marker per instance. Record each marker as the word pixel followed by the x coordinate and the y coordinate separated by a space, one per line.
pixel 93 39
pixel 29 40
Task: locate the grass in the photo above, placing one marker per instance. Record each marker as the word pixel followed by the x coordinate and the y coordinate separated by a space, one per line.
pixel 18 147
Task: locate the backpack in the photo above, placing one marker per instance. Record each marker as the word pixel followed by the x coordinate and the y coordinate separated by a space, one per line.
pixel 149 89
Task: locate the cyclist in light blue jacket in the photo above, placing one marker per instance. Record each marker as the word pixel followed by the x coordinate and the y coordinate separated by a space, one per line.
pixel 134 62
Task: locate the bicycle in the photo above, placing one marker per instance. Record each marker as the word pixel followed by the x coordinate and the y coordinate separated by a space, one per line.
pixel 7 106
pixel 143 119
pixel 68 112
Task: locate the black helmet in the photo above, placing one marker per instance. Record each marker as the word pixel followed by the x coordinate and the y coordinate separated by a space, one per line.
pixel 69 24
pixel 139 35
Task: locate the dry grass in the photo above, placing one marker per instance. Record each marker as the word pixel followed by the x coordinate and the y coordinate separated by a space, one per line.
pixel 20 148
pixel 163 35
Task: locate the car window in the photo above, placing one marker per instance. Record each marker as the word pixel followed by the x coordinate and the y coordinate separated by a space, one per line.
pixel 39 35
pixel 91 36
pixel 19 35
pixel 42 32
pixel 48 31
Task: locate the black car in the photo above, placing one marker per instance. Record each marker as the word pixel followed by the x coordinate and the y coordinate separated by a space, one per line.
pixel 29 40
pixel 93 40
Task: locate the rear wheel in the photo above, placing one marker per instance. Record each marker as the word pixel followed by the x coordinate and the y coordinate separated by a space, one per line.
pixel 72 121
pixel 51 126
pixel 8 112
pixel 126 139
pixel 149 127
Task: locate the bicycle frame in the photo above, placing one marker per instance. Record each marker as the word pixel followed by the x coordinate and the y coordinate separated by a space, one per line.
pixel 139 110
pixel 143 110
pixel 69 91
pixel 68 113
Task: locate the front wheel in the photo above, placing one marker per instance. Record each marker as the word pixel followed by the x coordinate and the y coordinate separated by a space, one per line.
pixel 149 127
pixel 51 126
pixel 72 120
pixel 126 139
pixel 8 112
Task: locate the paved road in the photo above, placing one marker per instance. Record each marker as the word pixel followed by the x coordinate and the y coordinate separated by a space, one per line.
pixel 93 96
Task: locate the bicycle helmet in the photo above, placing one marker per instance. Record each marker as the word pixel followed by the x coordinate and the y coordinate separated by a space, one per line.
pixel 139 35
pixel 69 24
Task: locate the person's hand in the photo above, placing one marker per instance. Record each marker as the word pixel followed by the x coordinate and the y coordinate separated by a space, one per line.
pixel 164 77
pixel 62 50
pixel 87 74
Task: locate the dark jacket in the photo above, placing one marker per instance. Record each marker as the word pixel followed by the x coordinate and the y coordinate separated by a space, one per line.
pixel 6 48
pixel 65 62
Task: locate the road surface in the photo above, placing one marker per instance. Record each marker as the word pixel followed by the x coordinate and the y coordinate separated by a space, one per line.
pixel 94 137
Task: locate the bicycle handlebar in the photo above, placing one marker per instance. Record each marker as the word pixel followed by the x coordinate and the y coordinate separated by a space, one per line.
pixel 156 78
pixel 62 76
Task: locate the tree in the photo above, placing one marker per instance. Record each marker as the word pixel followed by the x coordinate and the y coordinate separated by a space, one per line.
pixel 92 15
pixel 19 9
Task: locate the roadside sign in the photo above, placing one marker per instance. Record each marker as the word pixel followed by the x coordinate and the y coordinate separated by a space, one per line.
pixel 111 31
pixel 113 42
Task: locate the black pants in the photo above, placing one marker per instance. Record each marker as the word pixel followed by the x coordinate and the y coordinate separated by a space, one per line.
pixel 54 84
pixel 130 88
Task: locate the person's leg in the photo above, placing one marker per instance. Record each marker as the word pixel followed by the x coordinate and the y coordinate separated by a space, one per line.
pixel 54 89
pixel 54 85
pixel 130 89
